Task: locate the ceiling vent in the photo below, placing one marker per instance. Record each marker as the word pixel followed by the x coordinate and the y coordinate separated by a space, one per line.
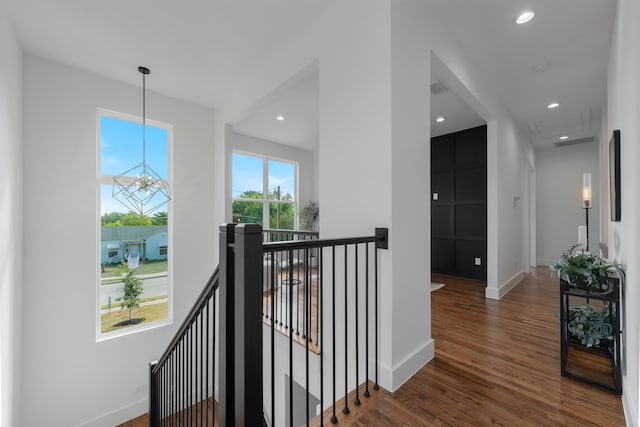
pixel 574 141
pixel 438 87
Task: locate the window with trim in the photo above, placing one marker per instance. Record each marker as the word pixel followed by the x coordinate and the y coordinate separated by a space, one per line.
pixel 113 249
pixel 133 250
pixel 264 191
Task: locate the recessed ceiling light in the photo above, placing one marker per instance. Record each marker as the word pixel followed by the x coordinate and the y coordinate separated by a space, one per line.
pixel 553 105
pixel 562 138
pixel 525 17
pixel 440 119
pixel 279 118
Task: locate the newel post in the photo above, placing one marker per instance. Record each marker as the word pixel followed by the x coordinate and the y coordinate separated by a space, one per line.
pixel 248 325
pixel 226 269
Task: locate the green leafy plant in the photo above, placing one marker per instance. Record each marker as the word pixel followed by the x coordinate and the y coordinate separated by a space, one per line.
pixel 132 291
pixel 591 326
pixel 584 270
pixel 309 216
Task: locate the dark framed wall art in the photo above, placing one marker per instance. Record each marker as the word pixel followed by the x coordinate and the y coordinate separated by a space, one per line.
pixel 614 175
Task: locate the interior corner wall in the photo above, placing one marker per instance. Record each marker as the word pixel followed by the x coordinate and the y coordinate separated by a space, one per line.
pixel 307 176
pixel 559 199
pixel 410 190
pixel 10 225
pixel 72 379
pixel 623 105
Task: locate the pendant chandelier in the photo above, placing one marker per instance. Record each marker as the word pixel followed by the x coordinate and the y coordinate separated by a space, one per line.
pixel 141 189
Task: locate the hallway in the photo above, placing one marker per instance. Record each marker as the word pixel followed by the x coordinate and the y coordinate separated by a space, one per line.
pixel 496 363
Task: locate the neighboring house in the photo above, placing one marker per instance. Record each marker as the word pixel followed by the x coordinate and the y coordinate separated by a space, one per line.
pixel 119 242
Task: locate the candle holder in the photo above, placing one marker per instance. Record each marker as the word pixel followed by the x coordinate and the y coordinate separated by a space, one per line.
pixel 586 202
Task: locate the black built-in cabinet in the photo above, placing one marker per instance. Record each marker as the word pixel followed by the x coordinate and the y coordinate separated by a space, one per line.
pixel 459 203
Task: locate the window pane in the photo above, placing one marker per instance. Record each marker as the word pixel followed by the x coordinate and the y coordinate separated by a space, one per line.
pixel 282 180
pixel 121 147
pixel 134 251
pixel 247 174
pixel 247 212
pixel 281 215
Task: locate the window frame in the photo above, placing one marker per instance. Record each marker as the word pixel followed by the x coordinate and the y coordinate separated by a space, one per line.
pixel 112 247
pixel 265 187
pixel 163 248
pixel 107 179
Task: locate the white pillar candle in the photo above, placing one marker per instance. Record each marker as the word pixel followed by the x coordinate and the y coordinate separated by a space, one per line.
pixel 586 190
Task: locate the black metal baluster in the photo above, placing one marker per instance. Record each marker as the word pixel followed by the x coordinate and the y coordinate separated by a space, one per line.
pixel 366 315
pixel 206 374
pixel 179 378
pixel 189 373
pixel 376 386
pixel 281 290
pixel 213 365
pixel 357 399
pixel 334 419
pixel 171 388
pixel 194 408
pixel 290 338
pixel 297 292
pixel 346 410
pixel 317 280
pixel 201 402
pixel 185 380
pixel 163 411
pixel 163 392
pixel 320 309
pixel 307 302
pixel 306 329
pixel 273 341
pixel 158 417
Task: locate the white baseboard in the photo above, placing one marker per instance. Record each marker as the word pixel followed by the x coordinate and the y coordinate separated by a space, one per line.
pixel 544 262
pixel 629 409
pixel 392 378
pixel 118 416
pixel 493 293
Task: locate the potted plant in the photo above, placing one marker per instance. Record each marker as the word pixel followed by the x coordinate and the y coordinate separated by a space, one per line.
pixel 309 216
pixel 584 270
pixel 590 325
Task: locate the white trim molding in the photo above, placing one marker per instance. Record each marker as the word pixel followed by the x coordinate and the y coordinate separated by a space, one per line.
pixel 392 378
pixel 502 290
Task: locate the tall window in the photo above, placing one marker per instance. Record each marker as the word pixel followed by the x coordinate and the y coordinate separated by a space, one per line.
pixel 264 191
pixel 134 250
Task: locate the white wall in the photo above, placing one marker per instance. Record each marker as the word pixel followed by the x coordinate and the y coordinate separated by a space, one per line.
pixel 307 176
pixel 373 168
pixel 69 377
pixel 559 197
pixel 10 224
pixel 623 105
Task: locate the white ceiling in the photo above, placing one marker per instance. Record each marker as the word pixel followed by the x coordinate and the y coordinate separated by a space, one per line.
pixel 449 105
pixel 201 50
pixel 198 50
pixel 298 105
pixel 572 36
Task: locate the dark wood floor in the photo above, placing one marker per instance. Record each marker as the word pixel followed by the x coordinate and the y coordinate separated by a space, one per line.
pixel 496 363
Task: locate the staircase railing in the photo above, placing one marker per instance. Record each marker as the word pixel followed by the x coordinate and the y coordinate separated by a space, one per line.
pixel 179 382
pixel 336 299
